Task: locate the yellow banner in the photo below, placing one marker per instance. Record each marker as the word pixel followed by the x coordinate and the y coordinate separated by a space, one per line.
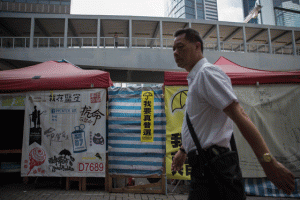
pixel 13 101
pixel 147 116
pixel 175 97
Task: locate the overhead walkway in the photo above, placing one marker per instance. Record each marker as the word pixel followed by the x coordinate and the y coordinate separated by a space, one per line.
pixel 136 49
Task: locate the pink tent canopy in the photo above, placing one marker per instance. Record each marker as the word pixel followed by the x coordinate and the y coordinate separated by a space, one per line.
pixel 52 75
pixel 239 75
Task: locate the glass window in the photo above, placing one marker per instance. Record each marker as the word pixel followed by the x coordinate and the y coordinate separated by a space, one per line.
pixel 190 11
pixel 8 0
pixel 55 2
pixel 190 4
pixel 32 1
pixel 65 2
pixel 43 2
pixel 21 1
pixel 200 14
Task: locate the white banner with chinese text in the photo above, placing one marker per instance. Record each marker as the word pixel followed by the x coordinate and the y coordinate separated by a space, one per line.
pixel 65 133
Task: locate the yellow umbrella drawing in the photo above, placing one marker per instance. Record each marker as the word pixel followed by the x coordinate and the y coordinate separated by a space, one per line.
pixel 178 101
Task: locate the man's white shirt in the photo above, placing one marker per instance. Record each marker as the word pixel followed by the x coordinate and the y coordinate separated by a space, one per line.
pixel 210 91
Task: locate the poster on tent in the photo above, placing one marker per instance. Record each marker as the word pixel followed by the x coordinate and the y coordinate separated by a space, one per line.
pixel 175 97
pixel 274 109
pixel 13 101
pixel 65 133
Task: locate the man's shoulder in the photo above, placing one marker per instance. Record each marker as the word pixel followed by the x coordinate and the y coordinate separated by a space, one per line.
pixel 211 71
pixel 210 68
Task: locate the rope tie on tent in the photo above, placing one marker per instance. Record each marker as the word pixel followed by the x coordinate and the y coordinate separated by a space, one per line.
pixel 51 95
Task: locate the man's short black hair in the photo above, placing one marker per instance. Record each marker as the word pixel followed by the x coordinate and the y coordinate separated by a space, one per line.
pixel 191 35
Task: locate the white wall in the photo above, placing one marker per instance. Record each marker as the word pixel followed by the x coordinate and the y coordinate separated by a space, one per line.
pixel 146 59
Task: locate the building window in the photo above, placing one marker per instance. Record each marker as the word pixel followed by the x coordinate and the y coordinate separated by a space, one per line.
pixel 32 1
pixel 65 2
pixel 55 2
pixel 43 2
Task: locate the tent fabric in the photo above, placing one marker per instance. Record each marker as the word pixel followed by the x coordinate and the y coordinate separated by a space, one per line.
pixel 52 75
pixel 265 188
pixel 239 75
pixel 128 155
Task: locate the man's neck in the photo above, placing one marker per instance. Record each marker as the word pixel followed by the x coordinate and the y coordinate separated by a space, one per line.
pixel 189 68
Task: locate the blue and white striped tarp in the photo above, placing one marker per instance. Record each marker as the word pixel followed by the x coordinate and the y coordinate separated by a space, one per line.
pixel 265 188
pixel 127 155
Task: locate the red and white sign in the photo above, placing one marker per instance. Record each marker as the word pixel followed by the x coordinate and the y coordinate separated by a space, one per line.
pixel 91 167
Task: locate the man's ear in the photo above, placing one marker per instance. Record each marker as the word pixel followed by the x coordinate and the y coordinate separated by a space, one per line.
pixel 198 46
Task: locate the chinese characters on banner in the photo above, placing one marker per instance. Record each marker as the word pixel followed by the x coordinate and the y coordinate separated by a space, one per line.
pixel 64 133
pixel 147 116
pixel 175 97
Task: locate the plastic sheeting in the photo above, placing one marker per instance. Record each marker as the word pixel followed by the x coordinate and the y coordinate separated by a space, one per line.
pixel 127 154
pixel 274 109
pixel 264 187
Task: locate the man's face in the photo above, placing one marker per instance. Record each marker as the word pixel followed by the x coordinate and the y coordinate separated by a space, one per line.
pixel 185 52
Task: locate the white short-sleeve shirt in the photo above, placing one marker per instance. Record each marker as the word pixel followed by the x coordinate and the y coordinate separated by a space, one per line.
pixel 210 91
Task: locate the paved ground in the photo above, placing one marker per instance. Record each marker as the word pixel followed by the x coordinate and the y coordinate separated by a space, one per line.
pixel 55 190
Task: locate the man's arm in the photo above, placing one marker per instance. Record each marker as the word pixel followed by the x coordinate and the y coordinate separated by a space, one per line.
pixel 275 171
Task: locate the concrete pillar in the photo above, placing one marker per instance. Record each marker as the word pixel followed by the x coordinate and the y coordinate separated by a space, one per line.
pixel 270 40
pixel 196 15
pixel 218 38
pixel 98 32
pixel 245 39
pixel 31 32
pixel 294 43
pixel 161 34
pixel 66 33
pixel 130 33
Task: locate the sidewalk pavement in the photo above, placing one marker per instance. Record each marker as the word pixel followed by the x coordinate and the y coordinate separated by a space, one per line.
pixel 31 192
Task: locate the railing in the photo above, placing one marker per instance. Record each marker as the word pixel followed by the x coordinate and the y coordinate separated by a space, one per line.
pixel 258 48
pixel 123 42
pixel 14 42
pixel 53 42
pixel 277 49
pixel 224 46
pixel 251 48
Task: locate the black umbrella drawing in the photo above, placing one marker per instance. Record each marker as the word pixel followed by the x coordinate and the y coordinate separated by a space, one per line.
pixel 147 94
pixel 178 101
pixel 65 152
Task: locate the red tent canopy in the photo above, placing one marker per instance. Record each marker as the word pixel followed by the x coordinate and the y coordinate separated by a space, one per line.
pixel 239 75
pixel 52 75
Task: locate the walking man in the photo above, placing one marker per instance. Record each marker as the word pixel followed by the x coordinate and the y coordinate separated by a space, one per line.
pixel 212 107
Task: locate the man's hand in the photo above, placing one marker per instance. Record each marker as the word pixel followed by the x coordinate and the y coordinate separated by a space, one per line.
pixel 280 176
pixel 178 161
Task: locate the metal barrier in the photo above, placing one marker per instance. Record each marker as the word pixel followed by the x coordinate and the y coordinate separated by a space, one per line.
pixel 14 42
pixel 123 42
pixel 53 42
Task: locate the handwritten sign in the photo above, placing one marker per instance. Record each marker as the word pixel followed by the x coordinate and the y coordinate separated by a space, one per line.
pixel 64 133
pixel 147 116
